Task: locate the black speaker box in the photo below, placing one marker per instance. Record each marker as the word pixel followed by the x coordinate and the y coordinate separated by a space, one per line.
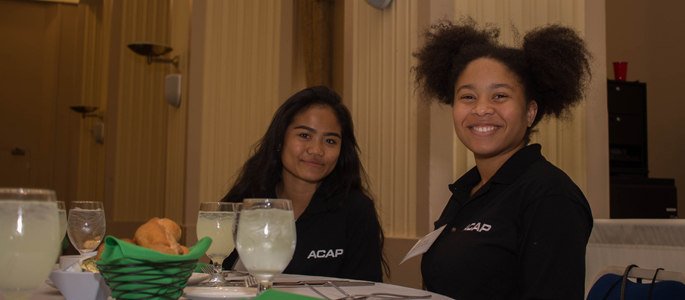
pixel 640 198
pixel 627 106
pixel 632 194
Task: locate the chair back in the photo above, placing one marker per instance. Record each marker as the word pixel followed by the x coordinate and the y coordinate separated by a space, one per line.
pixel 648 243
pixel 613 283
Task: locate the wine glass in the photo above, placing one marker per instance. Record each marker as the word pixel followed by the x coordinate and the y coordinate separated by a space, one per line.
pixel 29 228
pixel 238 267
pixel 266 238
pixel 215 220
pixel 86 225
pixel 62 209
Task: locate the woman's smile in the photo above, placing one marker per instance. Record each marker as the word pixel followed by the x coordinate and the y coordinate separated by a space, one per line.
pixel 484 128
pixel 313 163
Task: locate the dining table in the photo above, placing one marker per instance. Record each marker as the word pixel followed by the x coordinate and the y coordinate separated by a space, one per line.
pixel 46 292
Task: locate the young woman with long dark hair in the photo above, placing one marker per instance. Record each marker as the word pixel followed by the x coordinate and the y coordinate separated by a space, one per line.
pixel 309 155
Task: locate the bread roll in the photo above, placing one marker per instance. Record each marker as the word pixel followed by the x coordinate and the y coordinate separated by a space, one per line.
pixel 150 234
pixel 172 228
pixel 161 235
pixel 164 249
pixel 154 235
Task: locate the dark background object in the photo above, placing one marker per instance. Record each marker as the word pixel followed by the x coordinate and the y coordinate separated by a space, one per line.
pixel 150 48
pixel 642 198
pixel 632 194
pixel 627 108
pixel 153 50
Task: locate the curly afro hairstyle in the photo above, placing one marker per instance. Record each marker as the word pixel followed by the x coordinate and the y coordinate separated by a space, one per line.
pixel 552 64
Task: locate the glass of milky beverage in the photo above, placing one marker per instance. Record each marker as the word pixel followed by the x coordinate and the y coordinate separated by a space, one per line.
pixel 266 238
pixel 216 220
pixel 29 239
pixel 86 225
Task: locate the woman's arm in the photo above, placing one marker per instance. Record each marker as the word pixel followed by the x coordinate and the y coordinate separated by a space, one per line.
pixel 555 231
pixel 363 259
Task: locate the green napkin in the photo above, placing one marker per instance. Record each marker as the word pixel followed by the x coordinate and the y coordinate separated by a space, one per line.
pixel 134 272
pixel 119 252
pixel 278 295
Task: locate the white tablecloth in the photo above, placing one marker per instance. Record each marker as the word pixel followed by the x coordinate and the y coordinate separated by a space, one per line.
pixel 648 243
pixel 46 292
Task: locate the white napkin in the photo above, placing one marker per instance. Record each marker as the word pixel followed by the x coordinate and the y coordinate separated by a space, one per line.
pixel 76 266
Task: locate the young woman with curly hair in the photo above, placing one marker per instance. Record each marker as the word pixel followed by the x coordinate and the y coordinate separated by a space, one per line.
pixel 309 154
pixel 516 226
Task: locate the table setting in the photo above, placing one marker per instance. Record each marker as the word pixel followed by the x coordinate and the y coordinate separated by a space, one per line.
pixel 153 265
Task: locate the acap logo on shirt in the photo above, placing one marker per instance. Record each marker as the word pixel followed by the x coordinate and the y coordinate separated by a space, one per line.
pixel 325 253
pixel 478 227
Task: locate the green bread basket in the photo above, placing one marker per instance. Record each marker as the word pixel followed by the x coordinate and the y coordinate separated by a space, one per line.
pixel 135 272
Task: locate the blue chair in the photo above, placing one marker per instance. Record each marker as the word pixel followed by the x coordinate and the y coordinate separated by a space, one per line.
pixel 612 283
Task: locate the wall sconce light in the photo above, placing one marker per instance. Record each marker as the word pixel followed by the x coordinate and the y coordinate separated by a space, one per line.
pixel 172 89
pixel 98 128
pixel 153 50
pixel 380 4
pixel 84 110
pixel 172 83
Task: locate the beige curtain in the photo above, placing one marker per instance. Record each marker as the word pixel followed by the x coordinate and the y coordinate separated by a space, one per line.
pixel 379 89
pixel 240 88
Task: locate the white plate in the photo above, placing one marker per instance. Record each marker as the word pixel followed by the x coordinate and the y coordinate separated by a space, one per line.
pixel 80 285
pixel 196 278
pixel 224 292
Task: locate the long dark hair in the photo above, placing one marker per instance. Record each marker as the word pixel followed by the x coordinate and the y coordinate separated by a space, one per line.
pixel 263 171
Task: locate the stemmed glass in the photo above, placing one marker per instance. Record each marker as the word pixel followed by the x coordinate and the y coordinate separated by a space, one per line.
pixel 29 228
pixel 62 209
pixel 216 220
pixel 86 225
pixel 266 238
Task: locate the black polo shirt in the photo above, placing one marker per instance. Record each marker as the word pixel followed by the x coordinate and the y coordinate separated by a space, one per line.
pixel 337 237
pixel 521 236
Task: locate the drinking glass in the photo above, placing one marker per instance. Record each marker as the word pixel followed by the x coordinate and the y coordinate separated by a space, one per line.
pixel 62 209
pixel 215 220
pixel 266 238
pixel 86 225
pixel 30 242
pixel 238 268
